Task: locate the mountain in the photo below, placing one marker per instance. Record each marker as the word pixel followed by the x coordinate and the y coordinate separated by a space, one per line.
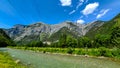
pixel 94 25
pixel 27 33
pixel 106 28
pixel 44 32
pixel 2 33
pixel 5 39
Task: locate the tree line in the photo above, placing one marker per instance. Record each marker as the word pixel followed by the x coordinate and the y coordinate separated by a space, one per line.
pixel 65 41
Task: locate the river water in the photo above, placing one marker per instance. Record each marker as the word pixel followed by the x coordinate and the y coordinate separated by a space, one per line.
pixel 40 60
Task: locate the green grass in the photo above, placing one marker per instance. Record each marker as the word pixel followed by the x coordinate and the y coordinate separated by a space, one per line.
pixel 7 62
pixel 102 51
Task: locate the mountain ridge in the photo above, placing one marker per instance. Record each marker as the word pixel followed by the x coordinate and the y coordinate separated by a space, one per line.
pixel 106 28
pixel 44 32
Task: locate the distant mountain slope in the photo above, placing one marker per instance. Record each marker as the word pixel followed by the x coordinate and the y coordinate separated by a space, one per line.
pixel 64 30
pixel 5 39
pixel 44 32
pixel 2 33
pixel 106 28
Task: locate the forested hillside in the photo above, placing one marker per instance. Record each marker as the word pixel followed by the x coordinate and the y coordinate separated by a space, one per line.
pixel 108 33
pixel 5 39
pixel 106 29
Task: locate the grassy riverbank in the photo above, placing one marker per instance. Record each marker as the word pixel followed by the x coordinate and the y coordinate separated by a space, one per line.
pixel 6 61
pixel 112 53
pixel 51 60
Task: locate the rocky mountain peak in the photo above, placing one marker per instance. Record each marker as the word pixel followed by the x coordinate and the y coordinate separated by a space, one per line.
pixel 38 24
pixel 44 31
pixel 19 26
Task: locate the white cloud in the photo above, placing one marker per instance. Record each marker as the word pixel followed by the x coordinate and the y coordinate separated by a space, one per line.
pixel 66 2
pixel 72 12
pixel 90 8
pixel 102 13
pixel 79 4
pixel 80 21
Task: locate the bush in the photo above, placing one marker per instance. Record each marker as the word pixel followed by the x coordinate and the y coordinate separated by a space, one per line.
pixel 105 52
pixel 102 51
pixel 108 53
pixel 70 50
pixel 94 52
pixel 80 52
pixel 116 52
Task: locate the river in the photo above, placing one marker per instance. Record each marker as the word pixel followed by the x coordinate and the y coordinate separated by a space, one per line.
pixel 41 60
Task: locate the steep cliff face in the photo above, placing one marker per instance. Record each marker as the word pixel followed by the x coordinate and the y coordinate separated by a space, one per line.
pixel 44 32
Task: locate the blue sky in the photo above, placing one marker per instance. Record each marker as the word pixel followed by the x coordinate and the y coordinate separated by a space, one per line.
pixel 56 11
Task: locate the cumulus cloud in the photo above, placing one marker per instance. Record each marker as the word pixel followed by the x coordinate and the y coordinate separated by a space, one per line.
pixel 80 21
pixel 66 2
pixel 90 8
pixel 102 13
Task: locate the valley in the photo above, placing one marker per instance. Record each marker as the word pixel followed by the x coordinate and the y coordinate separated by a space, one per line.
pixel 59 34
pixel 69 39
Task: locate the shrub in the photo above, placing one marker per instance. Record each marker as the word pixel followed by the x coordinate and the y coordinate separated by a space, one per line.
pixel 105 52
pixel 94 52
pixel 80 52
pixel 102 51
pixel 108 53
pixel 116 52
pixel 70 50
